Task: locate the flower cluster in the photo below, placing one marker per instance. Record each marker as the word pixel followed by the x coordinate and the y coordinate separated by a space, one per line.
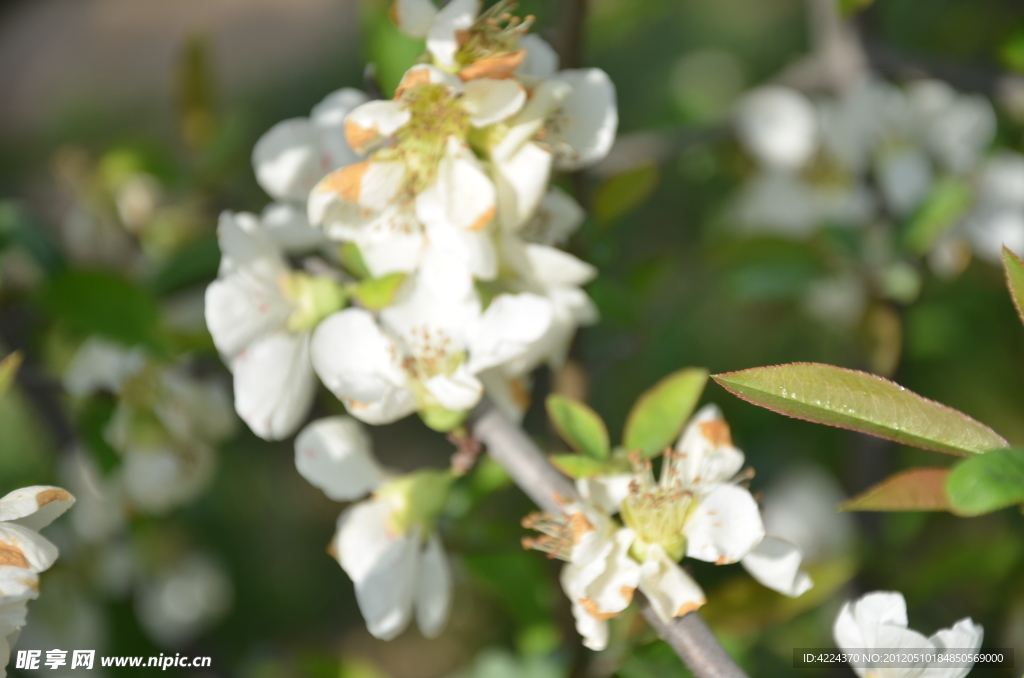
pixel 24 553
pixel 907 166
pixel 386 542
pixel 438 273
pixel 165 424
pixel 697 508
pixel 878 620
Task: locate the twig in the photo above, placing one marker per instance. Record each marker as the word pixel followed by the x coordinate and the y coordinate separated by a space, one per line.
pixel 508 445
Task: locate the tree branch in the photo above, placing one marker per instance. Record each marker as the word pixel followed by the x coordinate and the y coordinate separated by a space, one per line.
pixel 508 445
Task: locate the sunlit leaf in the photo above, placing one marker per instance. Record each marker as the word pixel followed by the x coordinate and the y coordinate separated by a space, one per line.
pixel 919 489
pixel 578 466
pixel 862 402
pixel 1015 279
pixel 622 193
pixel 987 482
pixel 377 293
pixel 579 426
pixel 660 413
pixel 8 369
pixel 352 260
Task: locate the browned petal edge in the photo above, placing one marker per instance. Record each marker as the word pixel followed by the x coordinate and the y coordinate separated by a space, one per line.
pixel 591 608
pixel 12 555
pixel 496 67
pixel 346 182
pixel 52 494
pixel 627 593
pixel 483 219
pixel 687 608
pixel 579 525
pixel 358 136
pixel 332 550
pixel 412 78
pixel 732 390
pixel 716 432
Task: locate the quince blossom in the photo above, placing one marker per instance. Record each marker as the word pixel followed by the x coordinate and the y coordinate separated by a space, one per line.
pixel 24 553
pixel 878 620
pixel 386 542
pixel 697 508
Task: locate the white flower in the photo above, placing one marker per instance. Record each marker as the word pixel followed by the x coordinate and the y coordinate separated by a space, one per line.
pixel 261 314
pixel 998 217
pixel 427 348
pixel 879 620
pixel 184 600
pixel 295 154
pixel 696 509
pixel 24 553
pixel 778 126
pixel 385 543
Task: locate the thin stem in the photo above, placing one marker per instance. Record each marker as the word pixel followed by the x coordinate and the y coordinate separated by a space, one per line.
pixel 509 445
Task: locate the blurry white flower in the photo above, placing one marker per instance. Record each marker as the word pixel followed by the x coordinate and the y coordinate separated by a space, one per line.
pixel 838 300
pixel 778 126
pixel 99 513
pixel 184 600
pixel 261 314
pixel 905 178
pixel 801 508
pixel 696 509
pixel 998 216
pixel 956 127
pixel 386 543
pixel 295 154
pixel 878 620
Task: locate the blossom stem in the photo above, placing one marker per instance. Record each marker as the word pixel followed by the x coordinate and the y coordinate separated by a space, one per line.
pixel 509 445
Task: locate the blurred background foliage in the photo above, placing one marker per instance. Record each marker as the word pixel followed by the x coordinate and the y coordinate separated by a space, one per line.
pixel 127 127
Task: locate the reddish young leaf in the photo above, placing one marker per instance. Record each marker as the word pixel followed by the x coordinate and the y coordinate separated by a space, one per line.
pixel 919 489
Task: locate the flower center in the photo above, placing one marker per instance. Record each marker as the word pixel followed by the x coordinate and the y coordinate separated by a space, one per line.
pixel 496 30
pixel 435 115
pixel 658 516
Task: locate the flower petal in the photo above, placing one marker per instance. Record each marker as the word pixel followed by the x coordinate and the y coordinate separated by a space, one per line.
pixel 245 307
pixel 605 492
pixel 16 585
pixel 289 229
pixel 671 591
pixel 507 329
pixel 776 564
pixel 583 130
pixel 287 160
pixel 274 384
pixel 457 391
pixel 25 548
pixel 778 125
pixel 443 36
pixel 382 566
pixel 964 636
pixel 358 363
pixel 425 74
pixel 329 118
pixel 462 197
pixel 521 180
pixel 489 101
pixel 706 454
pixel 555 267
pixel 413 17
pixel 370 124
pixel 35 507
pixel 558 216
pixel 433 589
pixel 724 527
pixel 335 455
pixel 353 197
pixel 594 631
pixel 858 622
pixel 541 58
pixel 608 588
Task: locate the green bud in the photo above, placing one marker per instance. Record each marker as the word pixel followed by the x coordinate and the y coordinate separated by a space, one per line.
pixel 313 297
pixel 442 419
pixel 417 498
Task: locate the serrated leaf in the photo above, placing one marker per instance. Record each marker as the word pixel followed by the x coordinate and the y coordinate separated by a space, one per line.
pixel 660 412
pixel 620 194
pixel 987 482
pixel 579 426
pixel 862 402
pixel 377 293
pixel 578 466
pixel 919 489
pixel 1015 279
pixel 8 369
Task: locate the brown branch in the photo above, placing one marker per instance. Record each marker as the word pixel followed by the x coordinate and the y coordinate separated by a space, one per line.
pixel 508 445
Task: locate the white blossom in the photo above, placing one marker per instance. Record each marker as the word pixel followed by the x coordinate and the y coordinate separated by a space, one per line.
pixel 386 542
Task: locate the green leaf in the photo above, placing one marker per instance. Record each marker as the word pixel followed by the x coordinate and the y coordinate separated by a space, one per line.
pixel 377 293
pixel 919 489
pixel 8 369
pixel 579 426
pixel 624 192
pixel 19 227
pixel 660 413
pixel 97 302
pixel 987 482
pixel 578 466
pixel 862 402
pixel 1015 279
pixel 946 204
pixel 352 260
pixel 196 262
